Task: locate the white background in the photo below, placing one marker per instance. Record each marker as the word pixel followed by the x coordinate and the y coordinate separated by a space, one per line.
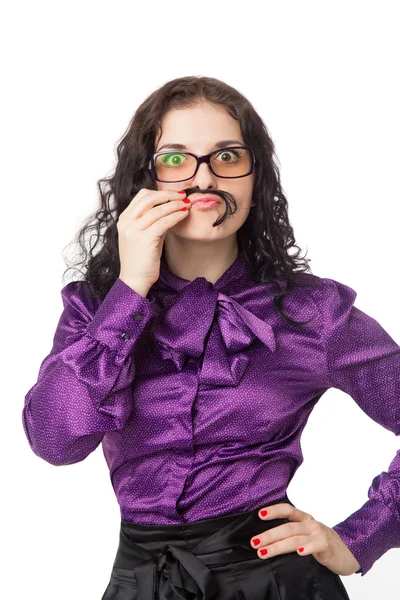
pixel 324 77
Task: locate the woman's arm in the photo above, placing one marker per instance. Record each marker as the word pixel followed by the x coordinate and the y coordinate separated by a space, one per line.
pixel 84 386
pixel 364 361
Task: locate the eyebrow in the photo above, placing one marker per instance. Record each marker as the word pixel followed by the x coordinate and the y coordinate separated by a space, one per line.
pixel 221 144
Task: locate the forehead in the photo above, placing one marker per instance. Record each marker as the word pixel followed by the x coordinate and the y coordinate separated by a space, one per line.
pixel 201 125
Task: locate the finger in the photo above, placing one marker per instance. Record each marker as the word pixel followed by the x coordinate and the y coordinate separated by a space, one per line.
pixel 312 545
pixel 283 546
pixel 133 202
pixel 281 532
pixel 145 199
pixel 283 510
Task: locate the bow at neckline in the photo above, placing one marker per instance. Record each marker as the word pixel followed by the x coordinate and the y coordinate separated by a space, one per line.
pixel 198 316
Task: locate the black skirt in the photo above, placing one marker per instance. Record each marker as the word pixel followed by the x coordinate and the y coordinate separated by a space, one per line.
pixel 213 559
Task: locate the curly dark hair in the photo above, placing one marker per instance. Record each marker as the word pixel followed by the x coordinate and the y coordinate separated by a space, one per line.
pixel 266 236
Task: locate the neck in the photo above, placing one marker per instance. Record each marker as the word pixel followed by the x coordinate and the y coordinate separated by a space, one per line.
pixel 190 259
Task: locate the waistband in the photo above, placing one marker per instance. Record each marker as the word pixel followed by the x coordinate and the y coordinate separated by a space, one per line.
pixel 178 558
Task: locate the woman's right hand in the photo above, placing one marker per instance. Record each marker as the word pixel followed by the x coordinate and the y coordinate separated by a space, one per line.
pixel 142 228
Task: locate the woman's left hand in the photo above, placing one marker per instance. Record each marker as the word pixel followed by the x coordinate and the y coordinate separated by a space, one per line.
pixel 326 546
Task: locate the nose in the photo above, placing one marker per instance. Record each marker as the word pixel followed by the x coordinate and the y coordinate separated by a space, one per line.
pixel 204 178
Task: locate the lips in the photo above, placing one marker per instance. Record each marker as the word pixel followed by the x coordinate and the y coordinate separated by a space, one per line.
pixel 204 198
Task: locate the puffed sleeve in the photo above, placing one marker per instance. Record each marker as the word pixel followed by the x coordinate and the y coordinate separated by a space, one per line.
pixel 363 360
pixel 84 385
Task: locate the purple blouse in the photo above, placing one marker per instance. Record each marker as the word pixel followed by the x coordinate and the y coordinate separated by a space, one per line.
pixel 199 394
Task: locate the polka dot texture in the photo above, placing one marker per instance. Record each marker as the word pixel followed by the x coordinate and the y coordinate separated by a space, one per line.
pixel 199 394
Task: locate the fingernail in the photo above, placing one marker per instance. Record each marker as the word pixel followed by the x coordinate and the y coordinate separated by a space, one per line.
pixel 263 513
pixel 263 551
pixel 256 541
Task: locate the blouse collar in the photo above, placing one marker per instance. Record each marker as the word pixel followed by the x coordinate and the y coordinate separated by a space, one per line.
pixel 198 309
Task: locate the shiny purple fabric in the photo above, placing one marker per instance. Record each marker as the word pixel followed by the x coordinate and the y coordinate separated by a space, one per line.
pixel 199 394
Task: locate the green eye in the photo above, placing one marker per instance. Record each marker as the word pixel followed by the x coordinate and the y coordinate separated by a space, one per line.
pixel 172 160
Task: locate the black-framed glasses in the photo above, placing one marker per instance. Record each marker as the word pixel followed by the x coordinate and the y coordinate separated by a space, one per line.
pixel 174 166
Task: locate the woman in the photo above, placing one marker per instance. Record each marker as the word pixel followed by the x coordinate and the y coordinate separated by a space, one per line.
pixel 175 352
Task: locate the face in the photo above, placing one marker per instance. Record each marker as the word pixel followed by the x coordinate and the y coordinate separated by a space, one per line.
pixel 199 128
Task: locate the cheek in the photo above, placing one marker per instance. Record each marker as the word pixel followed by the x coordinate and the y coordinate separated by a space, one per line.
pixel 241 216
pixel 243 191
pixel 234 222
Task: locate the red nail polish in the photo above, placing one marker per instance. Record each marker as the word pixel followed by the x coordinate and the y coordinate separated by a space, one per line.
pixel 301 549
pixel 256 541
pixel 184 208
pixel 263 551
pixel 181 192
pixel 263 513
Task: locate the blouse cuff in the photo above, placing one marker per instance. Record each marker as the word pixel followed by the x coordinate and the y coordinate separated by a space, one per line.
pixel 369 533
pixel 121 318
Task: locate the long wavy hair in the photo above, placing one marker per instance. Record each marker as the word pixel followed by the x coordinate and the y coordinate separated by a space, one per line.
pixel 265 238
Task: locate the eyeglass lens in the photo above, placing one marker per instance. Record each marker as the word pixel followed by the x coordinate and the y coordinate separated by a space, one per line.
pixel 230 162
